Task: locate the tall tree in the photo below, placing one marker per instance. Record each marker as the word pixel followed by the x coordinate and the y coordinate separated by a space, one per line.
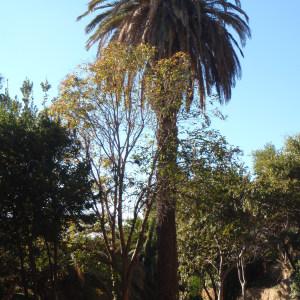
pixel 204 29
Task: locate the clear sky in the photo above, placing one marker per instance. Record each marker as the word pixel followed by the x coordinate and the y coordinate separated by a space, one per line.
pixel 41 39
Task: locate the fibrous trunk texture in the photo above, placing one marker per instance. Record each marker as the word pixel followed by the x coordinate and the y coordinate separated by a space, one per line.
pixel 166 204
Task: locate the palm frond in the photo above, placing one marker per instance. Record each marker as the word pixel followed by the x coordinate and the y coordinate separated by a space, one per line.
pixel 212 32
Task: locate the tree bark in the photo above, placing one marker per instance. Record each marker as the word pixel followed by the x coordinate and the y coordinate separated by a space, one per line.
pixel 55 265
pixel 126 279
pixel 167 264
pixel 222 278
pixel 114 292
pixel 33 269
pixel 241 273
pixel 221 290
pixel 125 289
pixel 207 292
pixel 221 275
pixel 52 269
pixel 213 284
pixel 23 273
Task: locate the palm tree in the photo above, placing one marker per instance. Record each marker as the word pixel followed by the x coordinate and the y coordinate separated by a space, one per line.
pixel 211 32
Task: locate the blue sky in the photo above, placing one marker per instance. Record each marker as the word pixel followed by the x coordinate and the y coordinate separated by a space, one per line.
pixel 41 39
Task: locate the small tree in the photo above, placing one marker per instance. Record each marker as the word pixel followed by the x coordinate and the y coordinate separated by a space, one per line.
pixel 106 104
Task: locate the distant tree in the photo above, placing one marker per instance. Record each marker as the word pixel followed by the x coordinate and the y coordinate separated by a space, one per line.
pixel 275 198
pixel 214 225
pixel 3 95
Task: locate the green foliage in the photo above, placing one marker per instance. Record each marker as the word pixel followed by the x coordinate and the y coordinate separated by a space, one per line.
pixel 275 191
pixel 197 23
pixel 194 286
pixel 295 285
pixel 43 186
pixel 213 223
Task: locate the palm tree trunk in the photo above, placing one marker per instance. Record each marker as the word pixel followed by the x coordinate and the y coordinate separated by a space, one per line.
pixel 167 264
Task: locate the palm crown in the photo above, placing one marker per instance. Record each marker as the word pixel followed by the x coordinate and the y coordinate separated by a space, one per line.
pixel 210 31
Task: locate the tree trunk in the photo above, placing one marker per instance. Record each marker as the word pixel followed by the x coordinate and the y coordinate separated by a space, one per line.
pixel 23 273
pixel 55 264
pixel 244 291
pixel 221 290
pixel 221 274
pixel 113 286
pixel 213 283
pixel 207 292
pixel 241 273
pixel 33 269
pixel 53 271
pixel 126 280
pixel 167 264
pixel 222 278
pixel 125 290
pixel 50 264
